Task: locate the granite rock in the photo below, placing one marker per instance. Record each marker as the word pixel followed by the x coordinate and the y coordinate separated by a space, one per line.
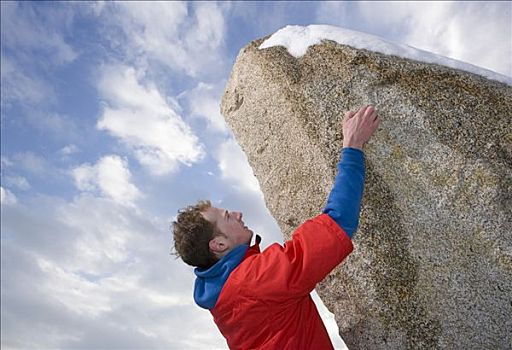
pixel 432 265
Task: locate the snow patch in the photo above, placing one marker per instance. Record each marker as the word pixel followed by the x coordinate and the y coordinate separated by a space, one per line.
pixel 297 39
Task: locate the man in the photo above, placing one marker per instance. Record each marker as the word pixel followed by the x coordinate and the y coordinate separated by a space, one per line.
pixel 261 300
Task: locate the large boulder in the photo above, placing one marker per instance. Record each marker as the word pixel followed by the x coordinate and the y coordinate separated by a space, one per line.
pixel 432 265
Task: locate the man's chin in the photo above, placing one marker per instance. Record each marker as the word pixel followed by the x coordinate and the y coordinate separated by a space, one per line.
pixel 251 235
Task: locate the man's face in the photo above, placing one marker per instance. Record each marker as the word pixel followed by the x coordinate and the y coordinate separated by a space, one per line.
pixel 231 225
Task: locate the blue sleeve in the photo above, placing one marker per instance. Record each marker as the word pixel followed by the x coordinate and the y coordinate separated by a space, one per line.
pixel 344 202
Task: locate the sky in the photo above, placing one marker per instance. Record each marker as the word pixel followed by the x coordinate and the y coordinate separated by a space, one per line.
pixel 110 124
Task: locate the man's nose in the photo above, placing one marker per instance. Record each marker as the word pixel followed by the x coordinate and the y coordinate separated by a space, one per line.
pixel 239 216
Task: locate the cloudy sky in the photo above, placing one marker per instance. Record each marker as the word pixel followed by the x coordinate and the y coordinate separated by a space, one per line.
pixel 110 123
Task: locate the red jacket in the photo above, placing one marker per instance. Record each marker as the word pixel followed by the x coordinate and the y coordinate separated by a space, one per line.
pixel 266 303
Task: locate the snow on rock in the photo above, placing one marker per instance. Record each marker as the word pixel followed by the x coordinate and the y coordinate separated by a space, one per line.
pixel 297 39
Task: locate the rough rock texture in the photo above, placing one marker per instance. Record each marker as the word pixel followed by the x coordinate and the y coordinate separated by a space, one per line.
pixel 432 265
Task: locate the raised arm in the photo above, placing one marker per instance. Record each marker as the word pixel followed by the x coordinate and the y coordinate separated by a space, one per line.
pixel 344 201
pixel 318 245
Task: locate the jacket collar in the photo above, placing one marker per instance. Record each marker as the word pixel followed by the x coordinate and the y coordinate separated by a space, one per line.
pixel 209 282
pixel 254 249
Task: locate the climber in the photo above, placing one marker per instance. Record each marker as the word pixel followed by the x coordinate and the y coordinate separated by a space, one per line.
pixel 261 300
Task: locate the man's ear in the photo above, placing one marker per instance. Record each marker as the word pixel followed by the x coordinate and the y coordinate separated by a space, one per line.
pixel 218 245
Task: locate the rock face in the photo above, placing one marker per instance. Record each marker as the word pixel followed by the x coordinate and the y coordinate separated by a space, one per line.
pixel 432 265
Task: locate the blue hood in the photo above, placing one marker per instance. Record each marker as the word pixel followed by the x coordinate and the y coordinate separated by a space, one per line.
pixel 209 282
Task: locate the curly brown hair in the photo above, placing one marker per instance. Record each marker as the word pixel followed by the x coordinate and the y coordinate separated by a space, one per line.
pixel 192 234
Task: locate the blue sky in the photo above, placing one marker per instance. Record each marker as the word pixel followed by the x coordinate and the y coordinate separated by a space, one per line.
pixel 110 123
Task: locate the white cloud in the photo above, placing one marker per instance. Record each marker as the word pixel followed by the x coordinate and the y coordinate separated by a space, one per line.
pixel 208 31
pixel 92 7
pixel 84 297
pixel 58 124
pixel 183 40
pixel 111 176
pixel 7 197
pixel 5 161
pixel 68 150
pixel 234 167
pixel 95 274
pixel 24 29
pixel 462 31
pixel 27 33
pixel 459 30
pixel 334 12
pixel 204 102
pixel 23 87
pixel 18 181
pixel 141 118
pixel 31 162
pixel 282 14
